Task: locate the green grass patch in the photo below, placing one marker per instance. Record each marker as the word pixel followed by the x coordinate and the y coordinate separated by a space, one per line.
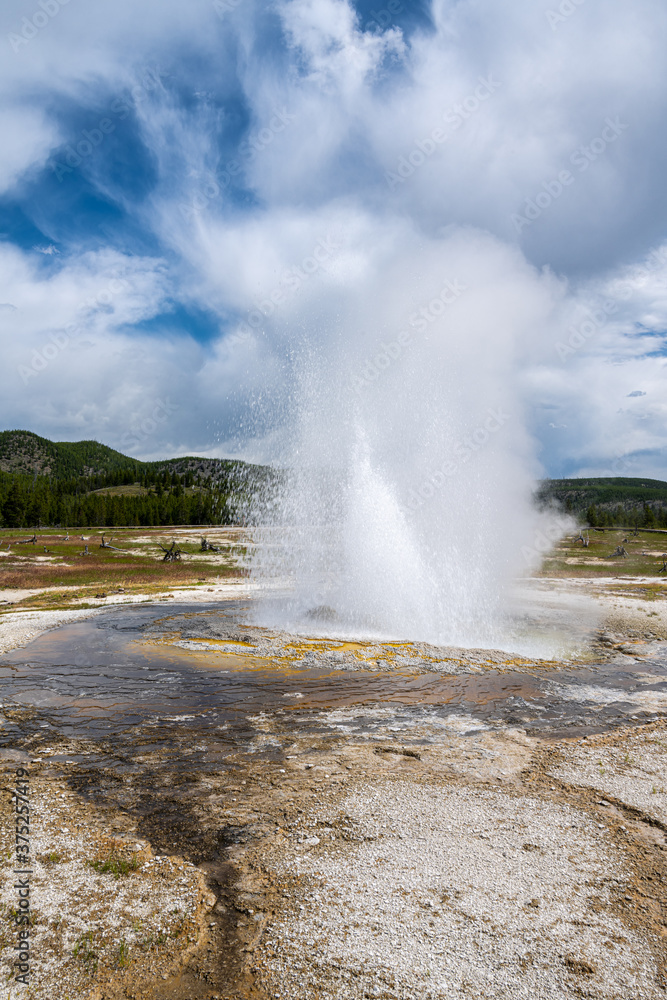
pixel 115 865
pixel 123 954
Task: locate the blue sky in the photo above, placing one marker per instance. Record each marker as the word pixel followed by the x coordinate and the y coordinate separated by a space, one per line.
pixel 192 193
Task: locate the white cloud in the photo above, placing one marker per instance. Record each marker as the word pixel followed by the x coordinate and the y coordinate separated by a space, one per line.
pixel 338 54
pixel 27 138
pixel 514 101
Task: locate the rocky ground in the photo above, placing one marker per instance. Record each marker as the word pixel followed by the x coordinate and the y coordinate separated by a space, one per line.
pixel 474 871
pixel 460 860
pixel 105 909
pixel 475 864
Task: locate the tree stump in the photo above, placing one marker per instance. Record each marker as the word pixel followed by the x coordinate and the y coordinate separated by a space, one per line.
pixel 206 546
pixel 172 554
pixel 108 545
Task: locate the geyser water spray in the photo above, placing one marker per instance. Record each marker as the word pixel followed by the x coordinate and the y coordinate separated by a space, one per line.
pixel 404 507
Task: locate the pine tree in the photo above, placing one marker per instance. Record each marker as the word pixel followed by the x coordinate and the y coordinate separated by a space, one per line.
pixel 592 516
pixel 13 509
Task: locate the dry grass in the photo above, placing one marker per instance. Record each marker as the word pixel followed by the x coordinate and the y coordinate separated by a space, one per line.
pixel 70 575
pixel 571 559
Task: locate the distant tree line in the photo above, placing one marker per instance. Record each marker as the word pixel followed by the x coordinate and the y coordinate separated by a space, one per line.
pixel 636 517
pixel 45 483
pixel 38 501
pixel 608 502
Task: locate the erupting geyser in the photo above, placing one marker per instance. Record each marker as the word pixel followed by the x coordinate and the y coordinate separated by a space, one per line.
pixel 405 509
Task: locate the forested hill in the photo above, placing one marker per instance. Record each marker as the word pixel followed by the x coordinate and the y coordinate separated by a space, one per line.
pixel 28 454
pixel 87 484
pixel 609 501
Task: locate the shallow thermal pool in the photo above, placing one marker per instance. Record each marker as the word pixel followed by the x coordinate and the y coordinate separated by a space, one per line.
pixel 159 671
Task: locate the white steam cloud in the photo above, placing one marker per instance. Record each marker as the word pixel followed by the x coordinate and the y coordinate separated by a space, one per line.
pixel 407 508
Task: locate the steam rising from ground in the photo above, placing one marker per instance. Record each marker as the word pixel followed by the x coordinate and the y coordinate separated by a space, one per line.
pixel 406 510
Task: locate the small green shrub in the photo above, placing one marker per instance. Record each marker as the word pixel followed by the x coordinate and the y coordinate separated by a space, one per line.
pixel 115 866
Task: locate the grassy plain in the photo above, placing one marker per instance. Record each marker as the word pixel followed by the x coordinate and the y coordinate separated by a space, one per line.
pixel 56 573
pixel 644 555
